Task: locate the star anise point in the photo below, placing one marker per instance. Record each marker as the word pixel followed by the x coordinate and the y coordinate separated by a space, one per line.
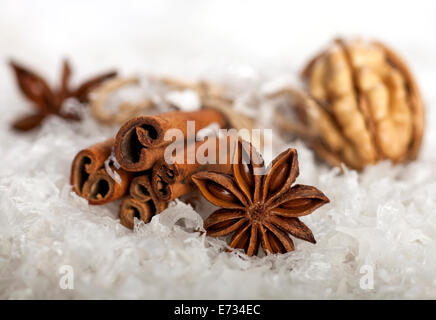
pixel 259 210
pixel 47 100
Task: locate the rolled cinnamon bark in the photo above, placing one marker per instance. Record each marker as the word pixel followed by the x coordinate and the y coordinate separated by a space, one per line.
pixel 166 191
pixel 91 181
pixel 140 189
pixel 172 180
pixel 140 141
pixel 101 188
pixel 132 208
pixel 142 203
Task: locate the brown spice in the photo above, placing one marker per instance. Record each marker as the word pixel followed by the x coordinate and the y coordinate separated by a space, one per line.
pixel 259 209
pixel 140 142
pixel 172 180
pixel 132 208
pixel 48 101
pixel 142 203
pixel 90 179
pixel 140 189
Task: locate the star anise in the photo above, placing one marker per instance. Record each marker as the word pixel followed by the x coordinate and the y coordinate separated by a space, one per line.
pixel 48 101
pixel 259 208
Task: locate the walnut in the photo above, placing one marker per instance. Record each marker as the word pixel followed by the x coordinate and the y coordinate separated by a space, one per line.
pixel 362 105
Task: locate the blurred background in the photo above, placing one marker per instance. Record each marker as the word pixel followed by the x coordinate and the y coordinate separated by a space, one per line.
pixel 196 36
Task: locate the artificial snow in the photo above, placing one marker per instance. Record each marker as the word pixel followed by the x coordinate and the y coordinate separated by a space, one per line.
pixel 107 166
pixel 375 239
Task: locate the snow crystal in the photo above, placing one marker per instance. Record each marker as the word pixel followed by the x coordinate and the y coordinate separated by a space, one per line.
pixel 185 100
pixel 107 165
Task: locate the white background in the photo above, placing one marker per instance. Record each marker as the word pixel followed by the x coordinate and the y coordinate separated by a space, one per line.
pixel 171 36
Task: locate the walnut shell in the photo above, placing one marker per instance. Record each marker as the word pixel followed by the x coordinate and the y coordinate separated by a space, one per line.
pixel 368 105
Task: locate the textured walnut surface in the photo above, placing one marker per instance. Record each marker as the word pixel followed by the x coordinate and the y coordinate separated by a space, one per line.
pixel 370 108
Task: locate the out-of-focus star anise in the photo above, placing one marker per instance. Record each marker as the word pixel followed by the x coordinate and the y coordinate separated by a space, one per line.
pixel 259 208
pixel 48 101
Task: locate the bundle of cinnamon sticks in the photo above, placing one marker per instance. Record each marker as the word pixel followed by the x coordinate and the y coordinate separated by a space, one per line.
pixel 137 165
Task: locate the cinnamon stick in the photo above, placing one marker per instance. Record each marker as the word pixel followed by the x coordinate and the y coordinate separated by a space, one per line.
pixel 142 203
pixel 140 141
pixel 91 181
pixel 141 189
pixel 172 180
pixel 132 208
